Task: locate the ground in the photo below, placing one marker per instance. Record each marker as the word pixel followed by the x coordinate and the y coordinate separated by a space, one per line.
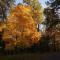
pixel 32 56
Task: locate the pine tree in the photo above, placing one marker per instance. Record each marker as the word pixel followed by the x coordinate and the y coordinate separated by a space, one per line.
pixel 52 20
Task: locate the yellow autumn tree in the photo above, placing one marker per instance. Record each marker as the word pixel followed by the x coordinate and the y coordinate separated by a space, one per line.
pixel 21 28
pixel 37 11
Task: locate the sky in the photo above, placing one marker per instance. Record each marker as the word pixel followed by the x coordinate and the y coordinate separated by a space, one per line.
pixel 41 1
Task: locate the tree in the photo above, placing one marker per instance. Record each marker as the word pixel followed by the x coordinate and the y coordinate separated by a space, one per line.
pixel 53 3
pixel 21 28
pixel 5 6
pixel 52 20
pixel 52 17
pixel 37 10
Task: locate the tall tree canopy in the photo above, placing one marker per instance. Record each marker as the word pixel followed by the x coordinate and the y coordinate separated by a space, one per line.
pixel 21 28
pixel 37 10
pixel 53 21
pixel 51 12
pixel 5 5
pixel 53 3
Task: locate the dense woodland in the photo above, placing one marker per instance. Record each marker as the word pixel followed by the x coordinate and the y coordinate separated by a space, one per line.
pixel 20 26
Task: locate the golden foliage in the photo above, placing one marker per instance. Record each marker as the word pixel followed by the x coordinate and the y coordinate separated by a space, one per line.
pixel 21 28
pixel 2 26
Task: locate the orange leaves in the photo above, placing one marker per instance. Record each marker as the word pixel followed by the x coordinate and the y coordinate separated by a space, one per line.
pixel 2 26
pixel 22 28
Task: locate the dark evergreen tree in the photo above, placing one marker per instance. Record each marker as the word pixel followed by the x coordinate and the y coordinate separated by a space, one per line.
pixel 52 20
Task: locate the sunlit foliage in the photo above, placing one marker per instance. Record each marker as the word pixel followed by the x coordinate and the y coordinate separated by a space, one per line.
pixel 20 28
pixel 37 10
